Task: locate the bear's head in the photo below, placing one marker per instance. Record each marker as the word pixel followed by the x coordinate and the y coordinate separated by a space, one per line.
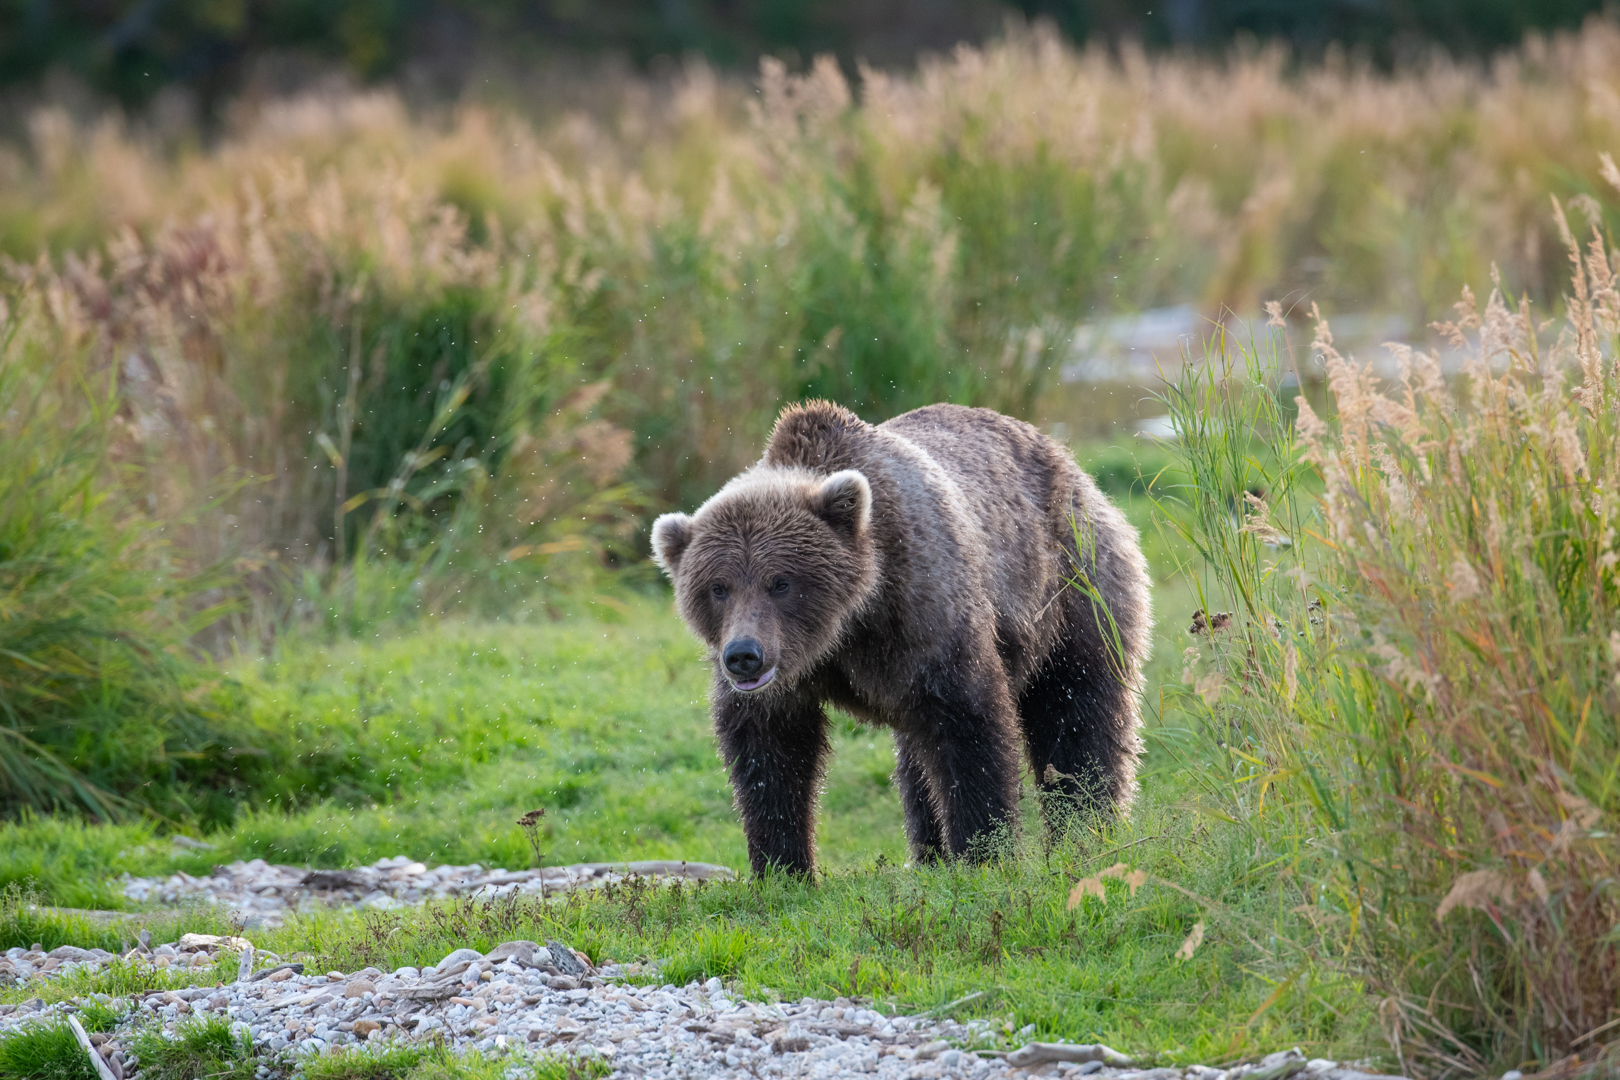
pixel 770 569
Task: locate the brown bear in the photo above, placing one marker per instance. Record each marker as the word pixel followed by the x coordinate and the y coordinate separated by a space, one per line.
pixel 951 574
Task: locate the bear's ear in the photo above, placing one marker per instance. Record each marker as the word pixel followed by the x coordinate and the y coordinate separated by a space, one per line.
pixel 670 535
pixel 844 502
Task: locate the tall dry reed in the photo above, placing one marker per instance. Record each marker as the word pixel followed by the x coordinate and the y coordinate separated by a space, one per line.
pixel 712 248
pixel 1416 678
pixel 102 703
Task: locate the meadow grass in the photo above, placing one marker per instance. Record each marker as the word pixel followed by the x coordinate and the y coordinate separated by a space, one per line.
pixel 1011 938
pixel 103 1016
pixel 392 1062
pixel 25 920
pixel 1006 937
pixel 617 748
pixel 203 1048
pixel 434 1061
pixel 45 1051
pixel 430 739
pixel 602 721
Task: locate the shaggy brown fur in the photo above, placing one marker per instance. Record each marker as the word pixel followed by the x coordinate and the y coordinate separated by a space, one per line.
pixel 918 574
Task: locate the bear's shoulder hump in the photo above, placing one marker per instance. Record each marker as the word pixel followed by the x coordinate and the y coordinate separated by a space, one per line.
pixel 816 435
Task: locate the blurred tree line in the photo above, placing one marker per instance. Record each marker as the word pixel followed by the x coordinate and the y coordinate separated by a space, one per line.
pixel 132 48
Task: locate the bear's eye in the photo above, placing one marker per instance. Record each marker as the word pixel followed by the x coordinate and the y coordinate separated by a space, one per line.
pixel 720 591
pixel 780 587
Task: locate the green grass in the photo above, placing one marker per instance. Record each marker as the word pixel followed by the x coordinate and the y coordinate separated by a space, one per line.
pixel 570 1068
pixel 118 979
pixel 46 1051
pixel 98 1015
pixel 200 1049
pixel 616 745
pixel 709 951
pixel 601 719
pixel 435 1061
pixel 26 921
pixel 391 1062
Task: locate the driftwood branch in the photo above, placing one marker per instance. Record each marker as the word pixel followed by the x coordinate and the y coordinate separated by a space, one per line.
pixel 1042 1053
pixel 103 1070
pixel 976 995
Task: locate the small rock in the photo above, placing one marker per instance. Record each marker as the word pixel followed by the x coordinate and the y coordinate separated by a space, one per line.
pixel 359 988
pixel 565 959
pixel 67 953
pixel 522 952
pixel 277 973
pixel 1039 1053
pixel 1278 1066
pixel 188 844
pixel 212 941
pixel 460 956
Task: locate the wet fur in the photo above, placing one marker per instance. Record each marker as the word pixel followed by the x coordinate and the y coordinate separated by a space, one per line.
pixel 929 594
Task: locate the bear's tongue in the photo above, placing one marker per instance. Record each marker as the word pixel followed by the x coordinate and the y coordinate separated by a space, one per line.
pixel 755 684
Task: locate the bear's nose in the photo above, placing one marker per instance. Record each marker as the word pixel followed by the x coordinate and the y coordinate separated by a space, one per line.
pixel 744 658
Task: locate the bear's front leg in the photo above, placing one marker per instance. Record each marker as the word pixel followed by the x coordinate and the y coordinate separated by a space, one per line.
pixel 917 800
pixel 775 745
pixel 962 735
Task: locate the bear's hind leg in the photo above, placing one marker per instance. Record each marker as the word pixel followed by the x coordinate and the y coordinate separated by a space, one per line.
pixel 776 750
pixel 922 823
pixel 1079 717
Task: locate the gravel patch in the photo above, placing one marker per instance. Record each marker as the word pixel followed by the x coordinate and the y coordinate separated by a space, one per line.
pixel 544 998
pixel 261 894
pixel 528 998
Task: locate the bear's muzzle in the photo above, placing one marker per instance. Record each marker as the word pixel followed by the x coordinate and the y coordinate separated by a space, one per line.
pixel 744 659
